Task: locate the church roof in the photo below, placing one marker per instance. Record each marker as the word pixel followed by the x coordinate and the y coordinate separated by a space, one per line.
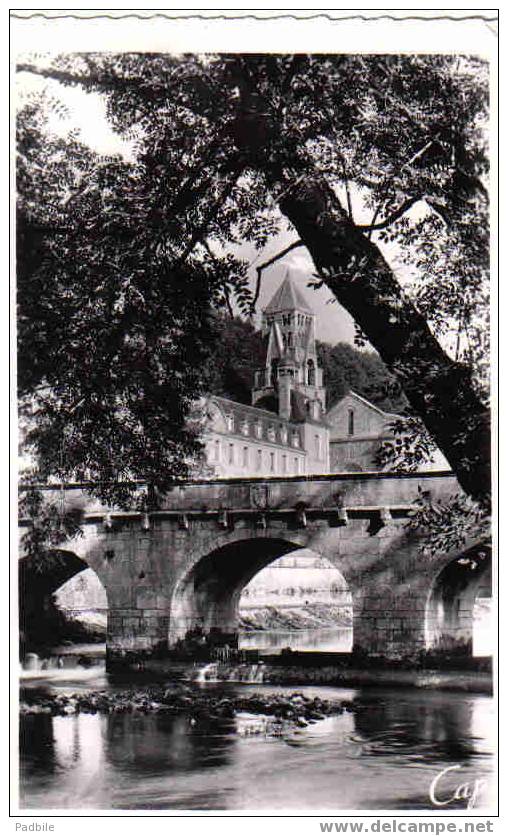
pixel 288 297
pixel 364 402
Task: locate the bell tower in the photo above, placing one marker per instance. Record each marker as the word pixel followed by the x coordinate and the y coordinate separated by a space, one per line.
pixel 291 371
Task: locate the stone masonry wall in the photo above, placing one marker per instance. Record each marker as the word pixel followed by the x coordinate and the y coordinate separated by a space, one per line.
pixel 357 522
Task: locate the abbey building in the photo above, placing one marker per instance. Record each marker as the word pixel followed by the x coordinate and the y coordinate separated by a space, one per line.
pixel 288 430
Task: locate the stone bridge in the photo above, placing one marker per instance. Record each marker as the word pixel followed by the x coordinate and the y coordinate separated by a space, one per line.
pixel 184 566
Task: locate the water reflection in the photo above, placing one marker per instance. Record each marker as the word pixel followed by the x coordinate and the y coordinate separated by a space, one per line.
pixel 65 753
pixel 156 745
pixel 326 640
pixel 384 755
pixel 422 728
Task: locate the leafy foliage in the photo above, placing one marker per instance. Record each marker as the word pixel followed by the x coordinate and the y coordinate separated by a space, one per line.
pixel 48 528
pixel 112 337
pixel 409 450
pixel 345 368
pixel 122 261
pixel 239 350
pixel 449 525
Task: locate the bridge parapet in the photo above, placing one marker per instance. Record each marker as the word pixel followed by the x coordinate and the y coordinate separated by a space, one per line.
pixel 352 491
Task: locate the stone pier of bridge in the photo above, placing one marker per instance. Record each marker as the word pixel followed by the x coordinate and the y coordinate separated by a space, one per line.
pixel 181 568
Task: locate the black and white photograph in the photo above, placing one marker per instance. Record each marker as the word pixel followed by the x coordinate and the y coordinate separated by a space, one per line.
pixel 252 315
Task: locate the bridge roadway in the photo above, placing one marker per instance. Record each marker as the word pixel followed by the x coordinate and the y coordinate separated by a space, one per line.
pixel 184 565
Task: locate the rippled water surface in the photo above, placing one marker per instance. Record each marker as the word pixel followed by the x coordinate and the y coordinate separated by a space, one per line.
pixel 383 756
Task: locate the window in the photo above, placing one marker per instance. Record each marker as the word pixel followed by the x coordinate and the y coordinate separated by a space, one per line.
pixel 311 373
pixel 272 462
pixel 284 463
pixel 230 423
pixel 217 451
pixel 317 446
pixel 259 459
pixel 245 456
pixel 297 465
pixel 231 455
pixel 351 422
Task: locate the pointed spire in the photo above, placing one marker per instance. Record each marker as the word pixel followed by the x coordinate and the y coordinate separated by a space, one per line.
pixel 291 370
pixel 288 297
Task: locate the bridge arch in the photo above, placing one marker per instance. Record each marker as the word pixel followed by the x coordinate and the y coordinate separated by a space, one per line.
pixel 38 581
pixel 451 608
pixel 206 598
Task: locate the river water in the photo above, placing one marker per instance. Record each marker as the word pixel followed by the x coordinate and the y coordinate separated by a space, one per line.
pixel 326 640
pixel 382 756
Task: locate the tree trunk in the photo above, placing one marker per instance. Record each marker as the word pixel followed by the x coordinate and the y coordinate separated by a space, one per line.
pixel 439 389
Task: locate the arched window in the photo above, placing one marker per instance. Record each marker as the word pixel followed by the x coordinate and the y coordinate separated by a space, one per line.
pixel 351 422
pixel 311 373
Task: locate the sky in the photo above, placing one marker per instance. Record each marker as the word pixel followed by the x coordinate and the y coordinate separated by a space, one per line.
pixel 87 112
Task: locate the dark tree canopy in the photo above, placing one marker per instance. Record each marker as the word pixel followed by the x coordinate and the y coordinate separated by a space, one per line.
pixel 233 148
pixel 346 368
pixel 238 351
pixel 113 340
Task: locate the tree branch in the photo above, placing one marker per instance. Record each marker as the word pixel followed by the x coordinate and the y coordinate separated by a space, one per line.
pixel 95 82
pixel 438 210
pixel 348 193
pixel 228 304
pixel 373 227
pixel 413 159
pixel 259 270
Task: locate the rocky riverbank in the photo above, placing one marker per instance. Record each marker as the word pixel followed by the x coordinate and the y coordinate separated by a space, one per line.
pixel 276 712
pixel 301 616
